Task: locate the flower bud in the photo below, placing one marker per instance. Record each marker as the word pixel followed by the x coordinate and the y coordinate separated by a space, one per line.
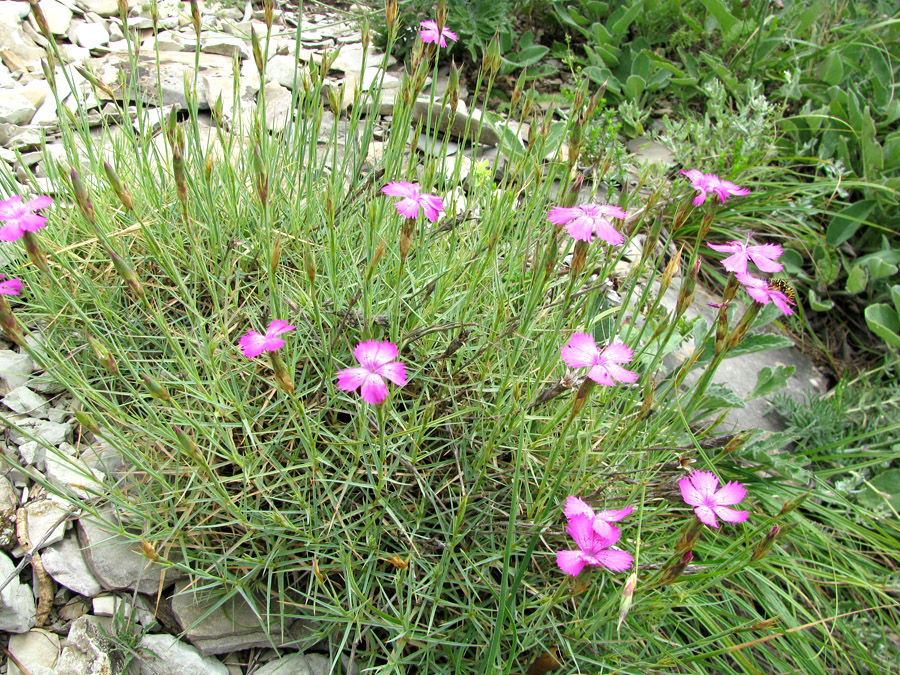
pixel 671 270
pixel 9 324
pixel 764 546
pixel 87 421
pixel 582 395
pixel 126 271
pixel 35 253
pixel 579 257
pixel 627 598
pixel 195 16
pixel 491 63
pixel 672 571
pixel 82 198
pixel 282 376
pixel 688 287
pixel 571 198
pixel 121 191
pixel 102 353
pixel 257 54
pixel 261 178
pixel 269 14
pixel 793 504
pixel 377 256
pixel 156 389
pixel 365 35
pixel 453 88
pixel 309 264
pixel 689 536
pixel 40 20
pixel 178 170
pixel 391 14
pixel 275 257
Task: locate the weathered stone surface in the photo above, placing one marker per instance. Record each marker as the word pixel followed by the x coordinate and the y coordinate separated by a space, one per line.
pixel 74 474
pixel 233 626
pixel 167 656
pixel 101 7
pixel 650 152
pixel 44 516
pixel 281 69
pixel 91 35
pixel 306 664
pixel 25 402
pixel 278 106
pixel 36 650
pixel 15 108
pixel 43 431
pixel 440 119
pixel 15 369
pixel 58 16
pixel 88 652
pixel 65 562
pixel 114 561
pixel 17 609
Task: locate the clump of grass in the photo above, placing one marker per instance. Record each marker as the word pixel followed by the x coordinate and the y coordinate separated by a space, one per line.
pixel 421 534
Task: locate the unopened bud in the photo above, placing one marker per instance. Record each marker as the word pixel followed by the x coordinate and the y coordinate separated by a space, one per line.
pixel 571 198
pixel 391 14
pixel 126 271
pixel 675 570
pixel 275 257
pixel 582 395
pixel 309 264
pixel 102 353
pixel 40 20
pixel 516 95
pixel 87 421
pixel 376 257
pixel 737 442
pixel 35 253
pixel 156 388
pixel 627 598
pixel 149 550
pixel 121 191
pixel 647 405
pixel 453 87
pixel 282 376
pixel 689 536
pixel 365 36
pixel 178 170
pixel 765 545
pixel 579 258
pixel 269 13
pixel 9 324
pixel 261 178
pixel 82 198
pixel 688 287
pixel 491 62
pixel 257 53
pixel 793 504
pixel 671 270
pixel 195 16
pixel 95 81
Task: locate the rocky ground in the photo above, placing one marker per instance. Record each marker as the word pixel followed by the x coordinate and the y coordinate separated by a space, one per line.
pixel 65 583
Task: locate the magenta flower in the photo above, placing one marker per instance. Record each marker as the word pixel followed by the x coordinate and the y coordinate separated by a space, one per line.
pixel 762 291
pixel 699 491
pixel 592 547
pixel 762 255
pixel 377 361
pixel 588 220
pixel 254 344
pixel 581 352
pixel 18 217
pixel 10 286
pixel 431 33
pixel 710 182
pixel 413 199
pixel 601 519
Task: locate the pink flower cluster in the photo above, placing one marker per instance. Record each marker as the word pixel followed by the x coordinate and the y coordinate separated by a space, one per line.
pixel 763 256
pixel 439 36
pixel 706 183
pixel 412 199
pixel 581 351
pixel 589 220
pixel 19 217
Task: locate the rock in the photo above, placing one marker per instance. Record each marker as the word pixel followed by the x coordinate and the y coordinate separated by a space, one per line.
pixel 9 500
pixel 13 11
pixel 114 562
pixel 226 45
pixel 88 652
pixel 101 7
pixel 91 35
pixel 33 454
pixel 74 474
pixel 15 369
pixel 168 656
pixel 17 610
pixel 15 41
pixel 233 625
pixel 351 60
pixel 58 16
pixel 440 119
pixel 281 69
pixel 103 457
pixel 166 41
pixel 48 433
pixel 46 518
pixel 25 402
pixel 306 664
pixel 74 608
pixel 650 152
pixel 36 92
pixel 111 605
pixel 15 108
pixel 35 650
pixel 64 561
pixel 22 139
pixel 278 106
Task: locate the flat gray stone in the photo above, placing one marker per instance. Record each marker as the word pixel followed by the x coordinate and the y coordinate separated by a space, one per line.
pixel 650 152
pixel 25 402
pixel 17 609
pixel 14 39
pixel 44 516
pixel 440 119
pixel 306 664
pixel 164 655
pixel 74 474
pixel 88 652
pixel 58 16
pixel 37 649
pixel 102 7
pixel 43 431
pixel 233 626
pixel 91 35
pixel 15 108
pixel 115 562
pixel 15 369
pixel 64 561
pixel 278 106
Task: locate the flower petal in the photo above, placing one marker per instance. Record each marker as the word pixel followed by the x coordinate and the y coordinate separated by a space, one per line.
pixel 617 561
pixel 252 344
pixel 614 515
pixel 706 516
pixel 401 188
pixel 570 562
pixel 374 390
pixel 581 228
pixel 731 515
pixel 560 215
pixel 616 352
pixel 10 231
pixel 41 202
pixel 576 506
pixel 730 247
pixel 580 351
pixel 581 527
pixel 11 287
pixel 600 375
pixel 730 494
pixel 605 231
pixel 408 208
pixel 763 256
pixel 620 374
pixel 689 492
pixel 395 372
pixel 351 379
pixel 278 327
pixel 371 354
pixel 433 207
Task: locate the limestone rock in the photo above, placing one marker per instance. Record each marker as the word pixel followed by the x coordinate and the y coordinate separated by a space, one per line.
pixel 15 369
pixel 306 664
pixel 281 69
pixel 17 609
pixel 89 652
pixel 113 559
pixel 43 431
pixel 91 35
pixel 37 649
pixel 16 42
pixel 101 7
pixel 168 656
pixel 44 516
pixel 58 16
pixel 75 475
pixel 15 108
pixel 25 402
pixel 233 625
pixel 650 152
pixel 65 562
pixel 440 119
pixel 278 106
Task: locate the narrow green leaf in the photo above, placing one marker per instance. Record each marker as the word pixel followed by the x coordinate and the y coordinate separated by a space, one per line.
pixel 845 223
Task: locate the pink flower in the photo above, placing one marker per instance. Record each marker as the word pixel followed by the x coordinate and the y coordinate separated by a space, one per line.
pixel 10 286
pixel 710 182
pixel 413 199
pixel 762 255
pixel 589 219
pixel 19 218
pixel 430 33
pixel 592 547
pixel 762 291
pixel 699 491
pixel 254 344
pixel 377 360
pixel 581 352
pixel 576 506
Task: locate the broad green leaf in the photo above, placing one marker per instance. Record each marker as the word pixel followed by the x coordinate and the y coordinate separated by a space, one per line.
pixel 884 322
pixel 621 20
pixel 895 297
pixel 635 85
pixel 845 223
pixel 770 380
pixel 857 279
pixel 832 69
pixel 817 304
pixel 640 65
pixel 873 155
pixel 760 342
pixel 828 267
pixel 878 267
pixel 887 485
pixel 723 17
pixel 718 396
